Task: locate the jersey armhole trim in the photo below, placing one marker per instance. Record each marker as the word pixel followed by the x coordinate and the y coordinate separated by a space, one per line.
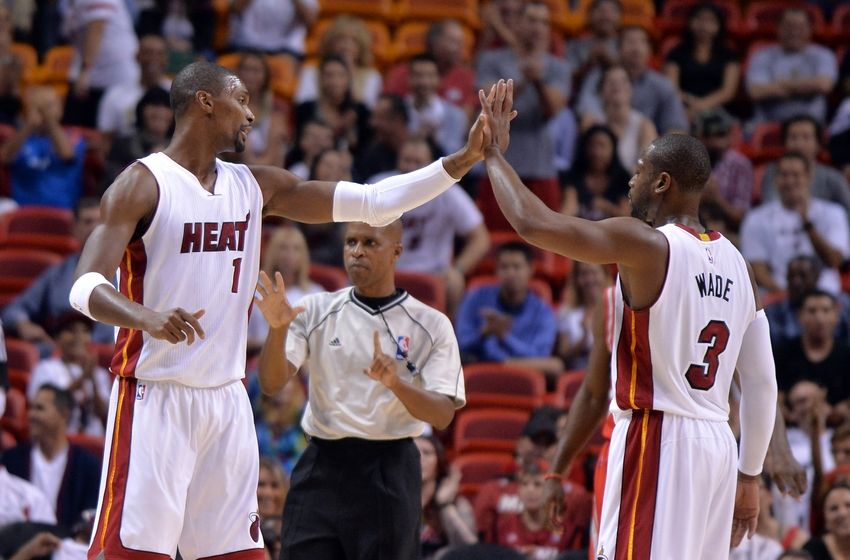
pixel 141 228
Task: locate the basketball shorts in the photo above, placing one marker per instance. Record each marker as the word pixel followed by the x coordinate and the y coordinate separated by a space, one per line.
pixel 180 471
pixel 669 489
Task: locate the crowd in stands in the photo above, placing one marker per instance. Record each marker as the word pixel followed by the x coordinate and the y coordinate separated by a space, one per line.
pixel 346 90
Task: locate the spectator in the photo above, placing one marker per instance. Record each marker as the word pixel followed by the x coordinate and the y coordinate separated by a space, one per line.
pixel 11 71
pixel 507 322
pixel 730 188
pixel 802 278
pixel 315 138
pixel 32 314
pixel 445 42
pixel 67 474
pixel 272 26
pixel 598 48
pixel 349 39
pixel 105 48
pixel 634 131
pixel 448 520
pixel 22 501
pixel 526 531
pixel 652 93
pixel 542 83
pixel 336 106
pixel 388 122
pixel 270 130
pixel 153 129
pixel 793 77
pixel 326 240
pixel 75 369
pixel 835 544
pixel 286 252
pixel 431 229
pixel 563 132
pixel 795 224
pixel 272 487
pixel 803 134
pixel 279 432
pixel 116 115
pixel 817 354
pixel 597 185
pixel 498 18
pixel 581 294
pixel 702 67
pixel 431 116
pixel 45 161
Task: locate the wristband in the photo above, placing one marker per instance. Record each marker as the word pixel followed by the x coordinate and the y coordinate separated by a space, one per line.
pixel 82 289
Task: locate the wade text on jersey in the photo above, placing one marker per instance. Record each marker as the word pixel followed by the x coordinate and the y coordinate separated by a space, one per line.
pixel 214 236
pixel 715 285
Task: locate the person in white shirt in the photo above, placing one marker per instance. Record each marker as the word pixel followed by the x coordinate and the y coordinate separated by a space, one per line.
pixel 75 369
pixel 272 26
pixel 795 224
pixel 22 501
pixel 382 365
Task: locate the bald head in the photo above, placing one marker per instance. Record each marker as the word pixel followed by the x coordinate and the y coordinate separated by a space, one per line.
pixel 682 157
pixel 199 76
pixel 391 232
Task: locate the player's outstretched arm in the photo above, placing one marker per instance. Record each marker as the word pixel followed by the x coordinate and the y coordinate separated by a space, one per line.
pixel 275 370
pixel 586 413
pixel 626 241
pixel 379 204
pixel 128 203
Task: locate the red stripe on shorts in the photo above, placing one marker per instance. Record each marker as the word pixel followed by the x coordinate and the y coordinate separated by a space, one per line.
pixel 640 485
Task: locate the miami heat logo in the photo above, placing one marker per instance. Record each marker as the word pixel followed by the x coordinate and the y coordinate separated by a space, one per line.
pixel 255 526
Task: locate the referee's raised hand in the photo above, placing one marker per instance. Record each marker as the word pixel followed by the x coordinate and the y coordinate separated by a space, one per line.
pixel 383 367
pixel 274 305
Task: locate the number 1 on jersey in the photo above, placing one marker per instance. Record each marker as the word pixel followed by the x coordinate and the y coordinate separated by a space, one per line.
pixel 702 376
pixel 237 266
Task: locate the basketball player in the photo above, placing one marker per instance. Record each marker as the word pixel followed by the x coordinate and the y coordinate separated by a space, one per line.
pixel 687 314
pixel 181 461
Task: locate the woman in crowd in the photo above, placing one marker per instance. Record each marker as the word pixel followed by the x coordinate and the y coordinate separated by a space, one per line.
pixel 349 39
pixel 272 487
pixel 597 186
pixel 586 285
pixel 704 69
pixel 269 136
pixel 447 519
pixel 835 544
pixel 326 240
pixel 634 131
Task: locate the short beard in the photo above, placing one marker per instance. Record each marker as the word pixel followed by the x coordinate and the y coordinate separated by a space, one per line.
pixel 238 145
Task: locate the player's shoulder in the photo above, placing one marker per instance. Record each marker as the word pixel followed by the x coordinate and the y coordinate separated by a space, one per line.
pixel 134 188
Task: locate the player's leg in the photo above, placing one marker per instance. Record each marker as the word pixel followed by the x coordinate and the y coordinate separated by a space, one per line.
pixel 718 532
pixel 221 505
pixel 599 477
pixel 309 515
pixel 611 499
pixel 147 467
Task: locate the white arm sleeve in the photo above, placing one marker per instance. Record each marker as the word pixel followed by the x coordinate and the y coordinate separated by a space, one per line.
pixel 384 202
pixel 758 395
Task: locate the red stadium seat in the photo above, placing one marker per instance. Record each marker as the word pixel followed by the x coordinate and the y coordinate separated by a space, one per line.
pixel 478 468
pixel 22 357
pixel 427 288
pixel 92 444
pixel 491 430
pixel 541 288
pixel 18 268
pixel 567 388
pixel 39 219
pixel 330 277
pixel 15 418
pixel 503 386
pixel 766 143
pixel 551 266
pixel 762 17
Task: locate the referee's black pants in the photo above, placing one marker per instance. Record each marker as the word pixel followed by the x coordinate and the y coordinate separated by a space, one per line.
pixel 354 499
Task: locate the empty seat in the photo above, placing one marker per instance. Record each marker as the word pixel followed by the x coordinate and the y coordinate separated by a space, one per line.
pixel 14 419
pixel 427 288
pixel 566 388
pixel 506 386
pixel 21 357
pixel 478 468
pixel 491 430
pixel 18 267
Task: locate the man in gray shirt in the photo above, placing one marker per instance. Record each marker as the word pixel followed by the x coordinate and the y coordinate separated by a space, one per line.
pixel 793 77
pixel 652 93
pixel 803 134
pixel 542 84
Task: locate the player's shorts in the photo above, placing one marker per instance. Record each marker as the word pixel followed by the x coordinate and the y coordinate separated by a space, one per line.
pixel 180 470
pixel 670 489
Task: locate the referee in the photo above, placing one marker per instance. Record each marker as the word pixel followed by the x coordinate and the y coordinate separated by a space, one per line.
pixel 381 364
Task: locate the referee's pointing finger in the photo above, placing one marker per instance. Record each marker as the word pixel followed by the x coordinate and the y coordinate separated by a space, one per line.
pixel 376 338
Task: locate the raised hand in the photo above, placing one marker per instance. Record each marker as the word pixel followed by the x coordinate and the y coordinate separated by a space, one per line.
pixel 383 367
pixel 274 305
pixel 497 109
pixel 175 325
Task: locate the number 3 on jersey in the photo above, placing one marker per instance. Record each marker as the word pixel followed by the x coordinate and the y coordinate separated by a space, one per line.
pixel 702 376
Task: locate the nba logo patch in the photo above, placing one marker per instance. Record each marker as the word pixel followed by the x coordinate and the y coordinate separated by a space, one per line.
pixel 402 347
pixel 140 392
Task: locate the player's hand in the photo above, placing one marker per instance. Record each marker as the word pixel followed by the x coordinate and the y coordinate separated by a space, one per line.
pixel 175 325
pixel 274 305
pixel 553 504
pixel 449 487
pixel 40 545
pixel 383 368
pixel 745 516
pixel 785 472
pixel 497 108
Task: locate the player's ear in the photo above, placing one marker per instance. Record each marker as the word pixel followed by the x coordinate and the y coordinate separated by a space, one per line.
pixel 205 99
pixel 663 183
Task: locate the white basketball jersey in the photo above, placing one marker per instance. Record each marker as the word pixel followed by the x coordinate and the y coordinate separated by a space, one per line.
pixel 679 355
pixel 201 251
